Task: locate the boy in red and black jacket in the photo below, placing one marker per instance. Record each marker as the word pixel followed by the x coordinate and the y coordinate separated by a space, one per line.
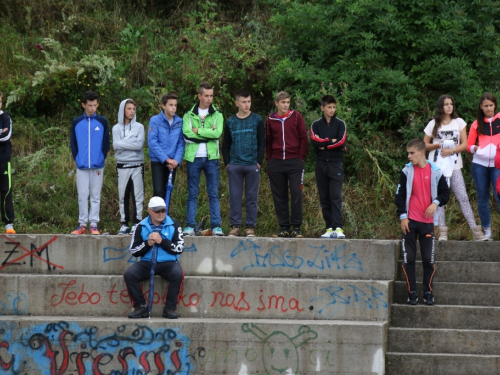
pixel 286 150
pixel 328 136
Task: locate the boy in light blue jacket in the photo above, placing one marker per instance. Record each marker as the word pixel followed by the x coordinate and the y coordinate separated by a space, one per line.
pixel 166 144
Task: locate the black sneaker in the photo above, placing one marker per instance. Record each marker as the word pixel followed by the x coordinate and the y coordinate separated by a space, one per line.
pixel 282 233
pixel 428 298
pixel 296 233
pixel 139 312
pixel 169 314
pixel 412 298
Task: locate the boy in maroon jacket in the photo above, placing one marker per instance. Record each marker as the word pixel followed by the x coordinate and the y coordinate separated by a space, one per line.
pixel 286 150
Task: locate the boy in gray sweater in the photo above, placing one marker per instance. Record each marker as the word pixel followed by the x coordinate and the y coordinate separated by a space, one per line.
pixel 128 143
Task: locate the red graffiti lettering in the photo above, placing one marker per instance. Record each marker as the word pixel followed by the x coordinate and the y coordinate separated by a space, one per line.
pixel 193 300
pixel 72 298
pixel 97 363
pixel 122 358
pixel 295 305
pixel 143 359
pixel 230 301
pixel 278 300
pixel 176 360
pixel 5 365
pixel 262 306
pixel 64 347
pixel 159 363
pixel 111 292
pixel 124 297
pixel 79 362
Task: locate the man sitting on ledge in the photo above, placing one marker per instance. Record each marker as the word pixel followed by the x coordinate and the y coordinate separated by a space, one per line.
pixel 159 235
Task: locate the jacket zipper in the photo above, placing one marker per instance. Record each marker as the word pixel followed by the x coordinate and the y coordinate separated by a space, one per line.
pixel 89 142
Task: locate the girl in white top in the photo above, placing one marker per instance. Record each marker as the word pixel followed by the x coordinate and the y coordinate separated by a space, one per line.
pixel 446 127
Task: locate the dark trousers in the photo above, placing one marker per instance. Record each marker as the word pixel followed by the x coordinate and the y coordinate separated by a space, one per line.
pixel 6 204
pixel 160 173
pixel 283 175
pixel 329 178
pixel 170 271
pixel 249 176
pixel 425 234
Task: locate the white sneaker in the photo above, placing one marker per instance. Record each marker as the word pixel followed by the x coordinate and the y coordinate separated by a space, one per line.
pixel 487 233
pixel 328 234
pixel 217 231
pixel 124 229
pixel 188 231
pixel 338 233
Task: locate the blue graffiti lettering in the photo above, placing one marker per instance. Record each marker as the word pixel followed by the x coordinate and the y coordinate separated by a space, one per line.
pixel 112 253
pixel 14 304
pixel 323 258
pixel 366 295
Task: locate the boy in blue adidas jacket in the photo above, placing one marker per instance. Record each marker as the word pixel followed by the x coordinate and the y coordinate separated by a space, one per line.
pixel 89 146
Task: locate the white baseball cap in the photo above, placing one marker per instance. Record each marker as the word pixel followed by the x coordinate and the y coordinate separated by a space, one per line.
pixel 157 203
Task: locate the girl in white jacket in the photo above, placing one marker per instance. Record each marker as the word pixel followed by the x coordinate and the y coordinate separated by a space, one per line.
pixel 445 138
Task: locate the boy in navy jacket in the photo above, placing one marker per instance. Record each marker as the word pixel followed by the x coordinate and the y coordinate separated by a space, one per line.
pixel 328 137
pixel 89 146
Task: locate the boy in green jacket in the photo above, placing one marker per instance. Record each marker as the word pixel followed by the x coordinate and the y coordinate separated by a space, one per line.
pixel 202 128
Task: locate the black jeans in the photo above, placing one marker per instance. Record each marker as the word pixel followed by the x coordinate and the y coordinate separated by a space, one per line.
pixel 425 234
pixel 160 172
pixel 329 178
pixel 170 271
pixel 285 174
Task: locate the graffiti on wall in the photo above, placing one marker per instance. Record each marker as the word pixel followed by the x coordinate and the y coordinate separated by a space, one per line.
pixel 65 348
pixel 16 254
pixel 322 258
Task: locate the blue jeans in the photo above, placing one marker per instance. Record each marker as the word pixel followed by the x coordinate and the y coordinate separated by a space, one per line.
pixel 194 169
pixel 483 178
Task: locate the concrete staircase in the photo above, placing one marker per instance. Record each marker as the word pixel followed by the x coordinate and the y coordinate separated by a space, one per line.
pixel 461 333
pixel 260 306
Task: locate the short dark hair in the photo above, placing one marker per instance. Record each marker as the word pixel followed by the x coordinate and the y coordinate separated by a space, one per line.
pixel 417 143
pixel 241 93
pixel 90 96
pixel 204 86
pixel 170 96
pixel 328 99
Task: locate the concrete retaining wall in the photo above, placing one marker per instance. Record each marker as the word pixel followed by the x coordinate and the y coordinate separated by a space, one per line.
pixel 47 346
pixel 210 256
pixel 208 297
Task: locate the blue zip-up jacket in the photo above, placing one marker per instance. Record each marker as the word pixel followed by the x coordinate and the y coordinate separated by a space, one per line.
pixel 440 190
pixel 172 243
pixel 89 141
pixel 165 141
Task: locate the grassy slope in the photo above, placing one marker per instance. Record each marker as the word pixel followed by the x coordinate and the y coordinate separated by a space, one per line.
pixel 44 172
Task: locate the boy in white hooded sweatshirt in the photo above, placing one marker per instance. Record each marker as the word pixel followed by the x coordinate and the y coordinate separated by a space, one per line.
pixel 128 143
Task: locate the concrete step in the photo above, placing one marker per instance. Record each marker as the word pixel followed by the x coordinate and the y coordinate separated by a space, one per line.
pixel 477 294
pixel 450 341
pixel 202 296
pixel 62 345
pixel 445 316
pixel 461 272
pixel 211 256
pixel 441 364
pixel 465 251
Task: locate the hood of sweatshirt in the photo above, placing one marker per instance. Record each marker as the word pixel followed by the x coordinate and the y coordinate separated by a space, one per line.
pixel 121 113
